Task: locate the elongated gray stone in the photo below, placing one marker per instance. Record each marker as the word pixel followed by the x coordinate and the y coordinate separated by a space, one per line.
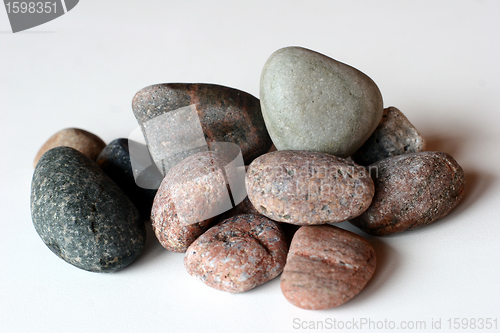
pixel 312 102
pixel 82 215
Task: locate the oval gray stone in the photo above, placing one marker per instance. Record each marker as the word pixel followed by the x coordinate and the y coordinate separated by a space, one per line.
pixel 82 215
pixel 312 102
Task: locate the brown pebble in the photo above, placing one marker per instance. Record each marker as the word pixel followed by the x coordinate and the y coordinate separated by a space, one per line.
pixel 238 254
pixel 85 142
pixel 225 115
pixel 411 191
pixel 326 267
pixel 395 135
pixel 189 199
pixel 307 188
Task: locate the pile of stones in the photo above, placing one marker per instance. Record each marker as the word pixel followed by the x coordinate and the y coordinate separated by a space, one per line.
pixel 242 211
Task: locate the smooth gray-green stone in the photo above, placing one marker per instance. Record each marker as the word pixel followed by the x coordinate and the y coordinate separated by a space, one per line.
pixel 312 102
pixel 82 215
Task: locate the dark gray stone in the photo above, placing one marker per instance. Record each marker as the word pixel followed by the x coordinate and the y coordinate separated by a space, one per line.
pixel 82 215
pixel 395 135
pixel 115 161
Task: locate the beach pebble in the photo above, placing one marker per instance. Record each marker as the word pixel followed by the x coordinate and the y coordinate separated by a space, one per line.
pixel 312 102
pixel 411 191
pixel 178 119
pixel 83 141
pixel 189 199
pixel 326 267
pixel 395 135
pixel 82 215
pixel 114 159
pixel 306 188
pixel 238 254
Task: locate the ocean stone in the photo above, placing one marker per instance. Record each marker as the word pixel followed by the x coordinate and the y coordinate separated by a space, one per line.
pixel 238 254
pixel 326 267
pixel 83 141
pixel 395 135
pixel 312 102
pixel 190 198
pixel 179 119
pixel 115 160
pixel 306 188
pixel 411 191
pixel 82 215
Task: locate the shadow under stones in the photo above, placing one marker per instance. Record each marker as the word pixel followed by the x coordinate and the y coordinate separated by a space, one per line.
pixel 152 249
pixel 476 186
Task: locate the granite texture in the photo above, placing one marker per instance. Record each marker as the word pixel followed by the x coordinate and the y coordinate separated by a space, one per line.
pixel 326 267
pixel 189 199
pixel 82 215
pixel 306 188
pixel 83 141
pixel 114 160
pixel 238 254
pixel 395 135
pixel 315 103
pixel 411 191
pixel 225 114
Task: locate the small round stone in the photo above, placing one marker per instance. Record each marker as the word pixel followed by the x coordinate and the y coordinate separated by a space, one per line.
pixel 395 135
pixel 238 254
pixel 306 188
pixel 189 199
pixel 87 143
pixel 326 267
pixel 411 191
pixel 82 215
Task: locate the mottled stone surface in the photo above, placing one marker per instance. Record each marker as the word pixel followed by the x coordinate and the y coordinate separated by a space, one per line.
pixel 312 102
pixel 307 188
pixel 238 254
pixel 114 159
pixel 412 191
pixel 190 197
pixel 226 115
pixel 83 141
pixel 326 267
pixel 82 215
pixel 395 135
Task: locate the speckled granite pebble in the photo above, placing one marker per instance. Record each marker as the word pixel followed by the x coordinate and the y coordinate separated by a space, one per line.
pixel 312 102
pixel 308 188
pixel 83 141
pixel 238 254
pixel 114 159
pixel 82 215
pixel 189 199
pixel 412 191
pixel 395 135
pixel 326 267
pixel 226 115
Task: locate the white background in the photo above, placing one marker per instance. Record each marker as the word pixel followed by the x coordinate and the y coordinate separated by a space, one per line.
pixel 437 61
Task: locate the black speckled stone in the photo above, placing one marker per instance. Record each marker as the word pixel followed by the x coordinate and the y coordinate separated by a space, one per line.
pixel 82 215
pixel 114 159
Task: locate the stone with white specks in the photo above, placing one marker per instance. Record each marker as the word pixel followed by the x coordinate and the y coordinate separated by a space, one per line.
pixel 238 254
pixel 82 215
